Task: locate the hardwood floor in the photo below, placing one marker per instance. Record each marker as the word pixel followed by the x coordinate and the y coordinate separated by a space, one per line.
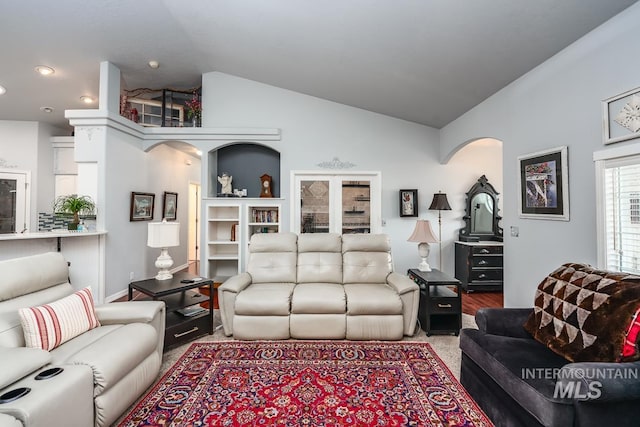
pixel 471 302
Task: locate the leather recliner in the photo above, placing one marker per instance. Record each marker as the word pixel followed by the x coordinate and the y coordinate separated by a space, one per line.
pixel 319 286
pixel 104 369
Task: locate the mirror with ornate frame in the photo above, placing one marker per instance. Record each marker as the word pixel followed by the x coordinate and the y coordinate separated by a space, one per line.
pixel 481 215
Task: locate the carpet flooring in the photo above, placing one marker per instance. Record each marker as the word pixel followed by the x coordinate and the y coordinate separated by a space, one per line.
pixel 307 383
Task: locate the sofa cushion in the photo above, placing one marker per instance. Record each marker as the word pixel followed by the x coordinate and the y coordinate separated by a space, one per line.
pixel 366 267
pixel 525 369
pixel 583 314
pixel 372 298
pixel 50 325
pixel 317 267
pixel 265 299
pixel 366 258
pixel 318 298
pixel 272 257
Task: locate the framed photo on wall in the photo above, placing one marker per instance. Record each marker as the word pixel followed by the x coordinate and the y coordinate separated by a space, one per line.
pixel 621 119
pixel 169 206
pixel 408 202
pixel 543 187
pixel 142 205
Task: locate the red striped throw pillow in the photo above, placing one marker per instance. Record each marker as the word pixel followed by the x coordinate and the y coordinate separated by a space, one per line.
pixel 50 325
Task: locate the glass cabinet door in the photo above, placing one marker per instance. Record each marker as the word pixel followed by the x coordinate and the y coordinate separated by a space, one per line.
pixel 12 203
pixel 315 205
pixel 336 203
pixel 356 206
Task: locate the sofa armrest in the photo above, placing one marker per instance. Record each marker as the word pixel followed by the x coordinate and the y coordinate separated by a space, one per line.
pixel 151 312
pixel 503 321
pixel 600 381
pixel 18 362
pixel 129 312
pixel 236 283
pixel 409 293
pixel 402 284
pixel 227 293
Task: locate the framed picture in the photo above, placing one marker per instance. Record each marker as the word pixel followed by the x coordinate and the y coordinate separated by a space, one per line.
pixel 543 191
pixel 169 206
pixel 142 205
pixel 621 119
pixel 408 202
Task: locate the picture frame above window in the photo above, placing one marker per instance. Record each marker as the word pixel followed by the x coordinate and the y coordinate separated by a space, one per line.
pixel 142 206
pixel 408 203
pixel 170 206
pixel 543 185
pixel 621 119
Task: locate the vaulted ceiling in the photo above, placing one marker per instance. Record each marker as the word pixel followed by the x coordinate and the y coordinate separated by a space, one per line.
pixel 426 61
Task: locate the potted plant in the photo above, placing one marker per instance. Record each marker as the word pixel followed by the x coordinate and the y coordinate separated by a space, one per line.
pixel 75 205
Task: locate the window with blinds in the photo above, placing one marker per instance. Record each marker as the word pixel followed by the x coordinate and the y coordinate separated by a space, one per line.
pixel 622 214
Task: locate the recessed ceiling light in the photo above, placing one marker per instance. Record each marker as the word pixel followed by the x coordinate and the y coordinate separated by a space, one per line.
pixel 3 90
pixel 154 64
pixel 46 109
pixel 86 99
pixel 43 70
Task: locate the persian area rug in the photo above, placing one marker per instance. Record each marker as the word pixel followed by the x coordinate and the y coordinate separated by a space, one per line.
pixel 307 383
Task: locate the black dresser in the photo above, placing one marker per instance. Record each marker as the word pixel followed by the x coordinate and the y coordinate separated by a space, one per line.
pixel 479 266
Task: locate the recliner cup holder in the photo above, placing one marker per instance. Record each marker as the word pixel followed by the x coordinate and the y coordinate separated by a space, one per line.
pixel 48 373
pixel 14 394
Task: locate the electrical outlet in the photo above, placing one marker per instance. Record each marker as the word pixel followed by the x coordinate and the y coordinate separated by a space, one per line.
pixel 384 222
pixel 515 231
pixel 131 275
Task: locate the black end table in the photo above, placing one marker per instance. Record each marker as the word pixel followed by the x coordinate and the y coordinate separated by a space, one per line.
pixel 185 318
pixel 440 308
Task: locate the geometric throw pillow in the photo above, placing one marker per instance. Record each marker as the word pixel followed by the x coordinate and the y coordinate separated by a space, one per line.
pixel 50 325
pixel 584 314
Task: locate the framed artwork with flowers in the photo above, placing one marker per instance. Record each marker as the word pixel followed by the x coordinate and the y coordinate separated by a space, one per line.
pixel 543 191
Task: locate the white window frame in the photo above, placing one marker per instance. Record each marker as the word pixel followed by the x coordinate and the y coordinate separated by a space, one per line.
pixel 629 154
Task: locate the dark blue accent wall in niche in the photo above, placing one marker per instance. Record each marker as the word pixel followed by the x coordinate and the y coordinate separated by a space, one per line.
pixel 246 162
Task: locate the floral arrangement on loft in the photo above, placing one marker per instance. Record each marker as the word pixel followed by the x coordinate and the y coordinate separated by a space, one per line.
pixel 194 109
pixel 165 107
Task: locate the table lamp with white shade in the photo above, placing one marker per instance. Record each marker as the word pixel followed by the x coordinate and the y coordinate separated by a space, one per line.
pixel 423 235
pixel 163 235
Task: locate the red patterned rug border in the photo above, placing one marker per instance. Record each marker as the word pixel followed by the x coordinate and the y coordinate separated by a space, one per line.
pixel 450 381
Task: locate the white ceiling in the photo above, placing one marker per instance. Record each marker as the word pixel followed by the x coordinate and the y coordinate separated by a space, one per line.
pixel 426 61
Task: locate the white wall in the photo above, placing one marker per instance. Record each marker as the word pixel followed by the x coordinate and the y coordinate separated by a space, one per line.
pixel 128 168
pixel 316 130
pixel 558 103
pixel 26 146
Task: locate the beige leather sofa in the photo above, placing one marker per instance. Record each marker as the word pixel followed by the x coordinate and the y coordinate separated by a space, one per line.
pixel 319 286
pixel 104 369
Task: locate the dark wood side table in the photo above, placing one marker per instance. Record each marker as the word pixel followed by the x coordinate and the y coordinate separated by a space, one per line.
pixel 440 309
pixel 180 300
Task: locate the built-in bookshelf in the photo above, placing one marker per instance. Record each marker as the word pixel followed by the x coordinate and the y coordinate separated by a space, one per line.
pixel 230 223
pixel 223 235
pixel 262 219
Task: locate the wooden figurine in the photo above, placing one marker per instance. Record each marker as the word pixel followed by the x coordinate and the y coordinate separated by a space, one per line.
pixel 266 186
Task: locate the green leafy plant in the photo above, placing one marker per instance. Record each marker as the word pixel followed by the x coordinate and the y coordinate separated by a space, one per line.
pixel 75 205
